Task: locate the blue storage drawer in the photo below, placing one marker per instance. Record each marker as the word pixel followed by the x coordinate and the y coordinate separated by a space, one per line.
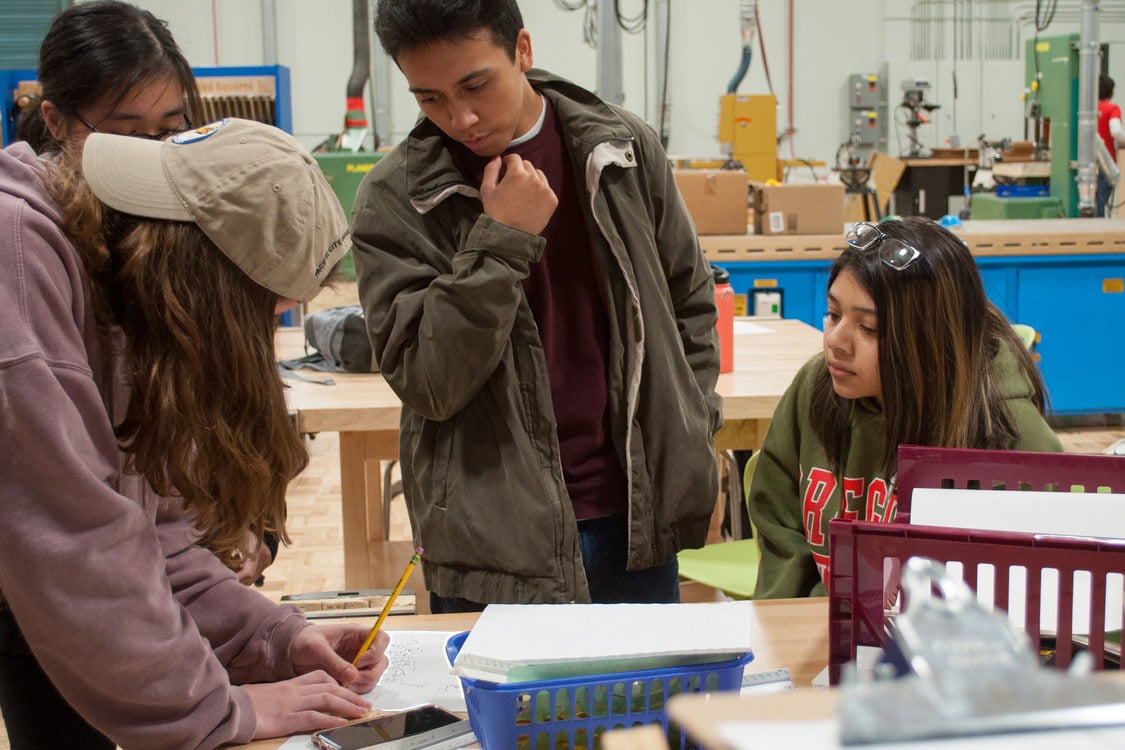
pixel 1080 311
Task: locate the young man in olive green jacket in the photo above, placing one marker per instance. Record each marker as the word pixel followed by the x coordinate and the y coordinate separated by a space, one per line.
pixel 536 295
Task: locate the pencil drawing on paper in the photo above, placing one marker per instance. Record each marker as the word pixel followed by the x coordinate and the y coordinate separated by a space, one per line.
pixel 418 673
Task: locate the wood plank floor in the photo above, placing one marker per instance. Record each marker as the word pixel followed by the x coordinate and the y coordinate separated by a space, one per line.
pixel 315 559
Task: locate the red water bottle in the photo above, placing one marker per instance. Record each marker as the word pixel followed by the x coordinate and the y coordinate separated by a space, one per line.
pixel 724 300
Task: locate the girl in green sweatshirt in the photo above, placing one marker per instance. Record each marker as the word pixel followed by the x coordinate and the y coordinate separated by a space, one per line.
pixel 914 353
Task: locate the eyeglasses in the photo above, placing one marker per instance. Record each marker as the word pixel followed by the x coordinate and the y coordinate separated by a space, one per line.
pixel 894 252
pixel 157 136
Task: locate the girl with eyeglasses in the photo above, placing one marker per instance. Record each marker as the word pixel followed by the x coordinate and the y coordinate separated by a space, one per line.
pixel 914 353
pixel 110 67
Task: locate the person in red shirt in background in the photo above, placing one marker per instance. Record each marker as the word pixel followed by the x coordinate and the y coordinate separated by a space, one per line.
pixel 1111 133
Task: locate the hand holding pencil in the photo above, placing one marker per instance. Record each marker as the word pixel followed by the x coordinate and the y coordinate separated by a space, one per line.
pixel 387 607
pixel 327 647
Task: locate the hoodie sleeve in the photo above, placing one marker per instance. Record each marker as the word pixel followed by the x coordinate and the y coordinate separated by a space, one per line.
pixel 1032 431
pixel 787 568
pixel 249 634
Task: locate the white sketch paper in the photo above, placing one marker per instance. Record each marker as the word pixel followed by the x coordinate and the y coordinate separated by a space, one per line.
pixel 418 674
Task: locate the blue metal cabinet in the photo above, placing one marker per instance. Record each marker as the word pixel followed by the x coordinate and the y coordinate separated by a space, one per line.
pixel 1000 277
pixel 1079 308
pixel 799 281
pixel 9 81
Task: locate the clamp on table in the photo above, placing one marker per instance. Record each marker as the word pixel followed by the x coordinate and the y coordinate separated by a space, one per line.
pixel 952 667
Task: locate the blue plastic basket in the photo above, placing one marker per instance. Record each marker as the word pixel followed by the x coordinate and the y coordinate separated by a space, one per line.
pixel 574 712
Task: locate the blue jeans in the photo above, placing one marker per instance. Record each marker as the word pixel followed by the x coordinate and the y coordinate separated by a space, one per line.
pixel 1102 196
pixel 604 544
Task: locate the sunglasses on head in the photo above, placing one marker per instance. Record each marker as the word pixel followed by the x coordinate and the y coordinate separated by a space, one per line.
pixel 894 252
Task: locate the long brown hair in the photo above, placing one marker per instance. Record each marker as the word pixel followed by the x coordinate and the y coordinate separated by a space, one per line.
pixel 938 334
pixel 206 417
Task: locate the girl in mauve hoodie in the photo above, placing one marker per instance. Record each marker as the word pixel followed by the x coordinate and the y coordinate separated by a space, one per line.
pixel 143 425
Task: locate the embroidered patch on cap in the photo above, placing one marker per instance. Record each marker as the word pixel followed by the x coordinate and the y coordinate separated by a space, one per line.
pixel 198 134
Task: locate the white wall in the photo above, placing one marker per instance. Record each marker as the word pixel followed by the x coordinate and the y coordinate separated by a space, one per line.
pixel 831 39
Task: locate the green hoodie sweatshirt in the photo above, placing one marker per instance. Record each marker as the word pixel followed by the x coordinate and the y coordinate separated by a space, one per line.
pixel 794 493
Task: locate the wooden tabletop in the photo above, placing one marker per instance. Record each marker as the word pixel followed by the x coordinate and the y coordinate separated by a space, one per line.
pixel 765 364
pixel 356 401
pixel 940 161
pixel 785 633
pixel 701 715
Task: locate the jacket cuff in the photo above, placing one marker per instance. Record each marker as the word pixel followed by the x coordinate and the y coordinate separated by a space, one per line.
pixel 491 236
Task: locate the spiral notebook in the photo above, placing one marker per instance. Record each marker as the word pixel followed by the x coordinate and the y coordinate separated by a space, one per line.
pixel 525 642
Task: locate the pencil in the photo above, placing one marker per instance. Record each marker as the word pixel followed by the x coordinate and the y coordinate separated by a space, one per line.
pixel 387 607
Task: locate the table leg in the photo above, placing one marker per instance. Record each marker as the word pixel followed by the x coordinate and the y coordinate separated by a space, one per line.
pixel 361 499
pixel 715 528
pixel 743 434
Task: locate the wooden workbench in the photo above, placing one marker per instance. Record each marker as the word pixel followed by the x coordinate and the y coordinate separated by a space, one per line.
pixel 985 239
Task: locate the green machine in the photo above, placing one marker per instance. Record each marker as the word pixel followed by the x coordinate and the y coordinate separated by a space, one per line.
pixel 989 206
pixel 1052 80
pixel 1052 106
pixel 344 171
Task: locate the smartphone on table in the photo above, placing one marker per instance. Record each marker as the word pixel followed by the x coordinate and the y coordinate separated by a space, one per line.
pixel 423 727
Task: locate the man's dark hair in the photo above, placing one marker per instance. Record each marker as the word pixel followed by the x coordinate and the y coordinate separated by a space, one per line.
pixel 403 25
pixel 1105 87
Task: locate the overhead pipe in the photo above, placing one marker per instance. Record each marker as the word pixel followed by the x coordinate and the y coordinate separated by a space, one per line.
pixel 269 32
pixel 610 87
pixel 1088 53
pixel 663 112
pixel 355 119
pixel 361 42
pixel 749 22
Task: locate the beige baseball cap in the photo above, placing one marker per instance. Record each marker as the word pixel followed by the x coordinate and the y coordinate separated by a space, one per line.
pixel 253 189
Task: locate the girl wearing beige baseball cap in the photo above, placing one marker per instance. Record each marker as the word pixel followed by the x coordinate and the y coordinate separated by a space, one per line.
pixel 111 67
pixel 143 422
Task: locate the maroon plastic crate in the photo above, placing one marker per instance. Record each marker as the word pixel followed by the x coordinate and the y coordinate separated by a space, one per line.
pixel 968 468
pixel 860 551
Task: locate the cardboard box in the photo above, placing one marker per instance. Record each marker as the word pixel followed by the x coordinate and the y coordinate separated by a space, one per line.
pixel 716 199
pixel 798 208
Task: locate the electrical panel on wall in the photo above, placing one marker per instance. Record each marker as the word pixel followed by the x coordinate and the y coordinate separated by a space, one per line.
pixel 865 111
